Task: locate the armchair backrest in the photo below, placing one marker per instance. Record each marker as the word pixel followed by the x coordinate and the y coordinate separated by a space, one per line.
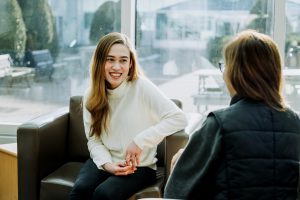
pixel 77 142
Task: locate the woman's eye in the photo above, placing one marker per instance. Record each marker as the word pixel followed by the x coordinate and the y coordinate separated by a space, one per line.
pixel 110 60
pixel 124 61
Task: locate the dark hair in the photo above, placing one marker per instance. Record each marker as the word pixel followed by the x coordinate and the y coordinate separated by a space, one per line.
pixel 254 68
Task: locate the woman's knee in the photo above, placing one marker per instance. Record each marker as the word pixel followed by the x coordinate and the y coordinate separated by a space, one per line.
pixel 81 188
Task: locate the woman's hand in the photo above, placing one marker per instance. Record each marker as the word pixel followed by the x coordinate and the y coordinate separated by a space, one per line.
pixel 175 158
pixel 133 154
pixel 118 169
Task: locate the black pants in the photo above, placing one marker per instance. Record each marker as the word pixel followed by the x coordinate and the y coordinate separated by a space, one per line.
pixel 94 184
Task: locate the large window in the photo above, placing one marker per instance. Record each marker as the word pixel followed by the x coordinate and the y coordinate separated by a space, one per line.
pixel 56 39
pixel 179 44
pixel 292 48
pixel 292 52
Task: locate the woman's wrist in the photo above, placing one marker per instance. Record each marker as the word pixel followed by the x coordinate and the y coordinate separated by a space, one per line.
pixel 107 166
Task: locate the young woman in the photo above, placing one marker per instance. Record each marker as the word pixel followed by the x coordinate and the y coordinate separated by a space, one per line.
pixel 125 118
pixel 251 149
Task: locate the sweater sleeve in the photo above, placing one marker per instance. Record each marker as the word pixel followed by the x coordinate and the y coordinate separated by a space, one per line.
pixel 98 152
pixel 170 118
pixel 193 175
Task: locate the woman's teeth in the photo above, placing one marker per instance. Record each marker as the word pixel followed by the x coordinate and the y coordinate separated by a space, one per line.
pixel 116 74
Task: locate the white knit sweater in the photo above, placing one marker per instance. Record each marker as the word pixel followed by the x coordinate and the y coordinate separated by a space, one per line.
pixel 140 112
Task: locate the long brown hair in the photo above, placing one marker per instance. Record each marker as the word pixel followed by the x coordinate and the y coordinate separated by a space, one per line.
pixel 97 102
pixel 254 68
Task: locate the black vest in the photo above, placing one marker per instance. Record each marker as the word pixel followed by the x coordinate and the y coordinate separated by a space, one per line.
pixel 261 149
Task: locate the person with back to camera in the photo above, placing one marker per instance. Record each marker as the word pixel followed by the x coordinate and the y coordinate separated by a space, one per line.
pixel 125 118
pixel 249 150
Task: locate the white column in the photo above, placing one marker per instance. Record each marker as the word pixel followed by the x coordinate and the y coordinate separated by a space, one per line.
pixel 279 25
pixel 128 9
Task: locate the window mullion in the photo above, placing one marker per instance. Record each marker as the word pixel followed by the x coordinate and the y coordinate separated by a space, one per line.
pixel 128 8
pixel 279 25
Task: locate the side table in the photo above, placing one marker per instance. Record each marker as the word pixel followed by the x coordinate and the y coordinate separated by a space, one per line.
pixel 8 172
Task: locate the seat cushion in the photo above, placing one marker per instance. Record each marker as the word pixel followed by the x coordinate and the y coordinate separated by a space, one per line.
pixel 58 184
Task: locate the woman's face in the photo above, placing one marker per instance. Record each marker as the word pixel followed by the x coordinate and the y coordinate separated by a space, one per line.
pixel 230 88
pixel 117 65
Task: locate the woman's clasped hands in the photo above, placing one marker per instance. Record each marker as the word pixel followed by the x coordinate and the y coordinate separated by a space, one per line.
pixel 132 160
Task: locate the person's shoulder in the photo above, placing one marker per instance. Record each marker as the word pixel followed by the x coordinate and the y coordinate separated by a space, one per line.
pixel 214 116
pixel 209 126
pixel 147 88
pixel 144 83
pixel 143 80
pixel 292 113
pixel 220 114
pixel 220 111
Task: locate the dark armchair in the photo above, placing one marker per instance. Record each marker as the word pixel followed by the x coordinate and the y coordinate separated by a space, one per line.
pixel 52 148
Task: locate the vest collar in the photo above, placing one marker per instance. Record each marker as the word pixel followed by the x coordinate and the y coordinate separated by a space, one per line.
pixel 235 99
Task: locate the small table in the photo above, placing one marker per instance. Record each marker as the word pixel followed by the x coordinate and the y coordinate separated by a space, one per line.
pixel 8 172
pixel 203 74
pixel 210 94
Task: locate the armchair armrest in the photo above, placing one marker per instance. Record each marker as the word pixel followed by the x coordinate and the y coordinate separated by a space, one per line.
pixel 41 149
pixel 174 142
pixel 179 139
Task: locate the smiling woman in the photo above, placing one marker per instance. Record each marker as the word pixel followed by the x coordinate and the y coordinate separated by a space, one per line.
pixel 123 152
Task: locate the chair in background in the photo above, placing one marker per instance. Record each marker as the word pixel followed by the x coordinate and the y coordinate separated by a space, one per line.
pixel 52 149
pixel 41 61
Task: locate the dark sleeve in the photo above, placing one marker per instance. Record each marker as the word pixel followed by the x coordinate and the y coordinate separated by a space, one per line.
pixel 193 175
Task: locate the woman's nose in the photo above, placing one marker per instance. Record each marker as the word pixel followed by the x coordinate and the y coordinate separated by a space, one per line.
pixel 116 65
